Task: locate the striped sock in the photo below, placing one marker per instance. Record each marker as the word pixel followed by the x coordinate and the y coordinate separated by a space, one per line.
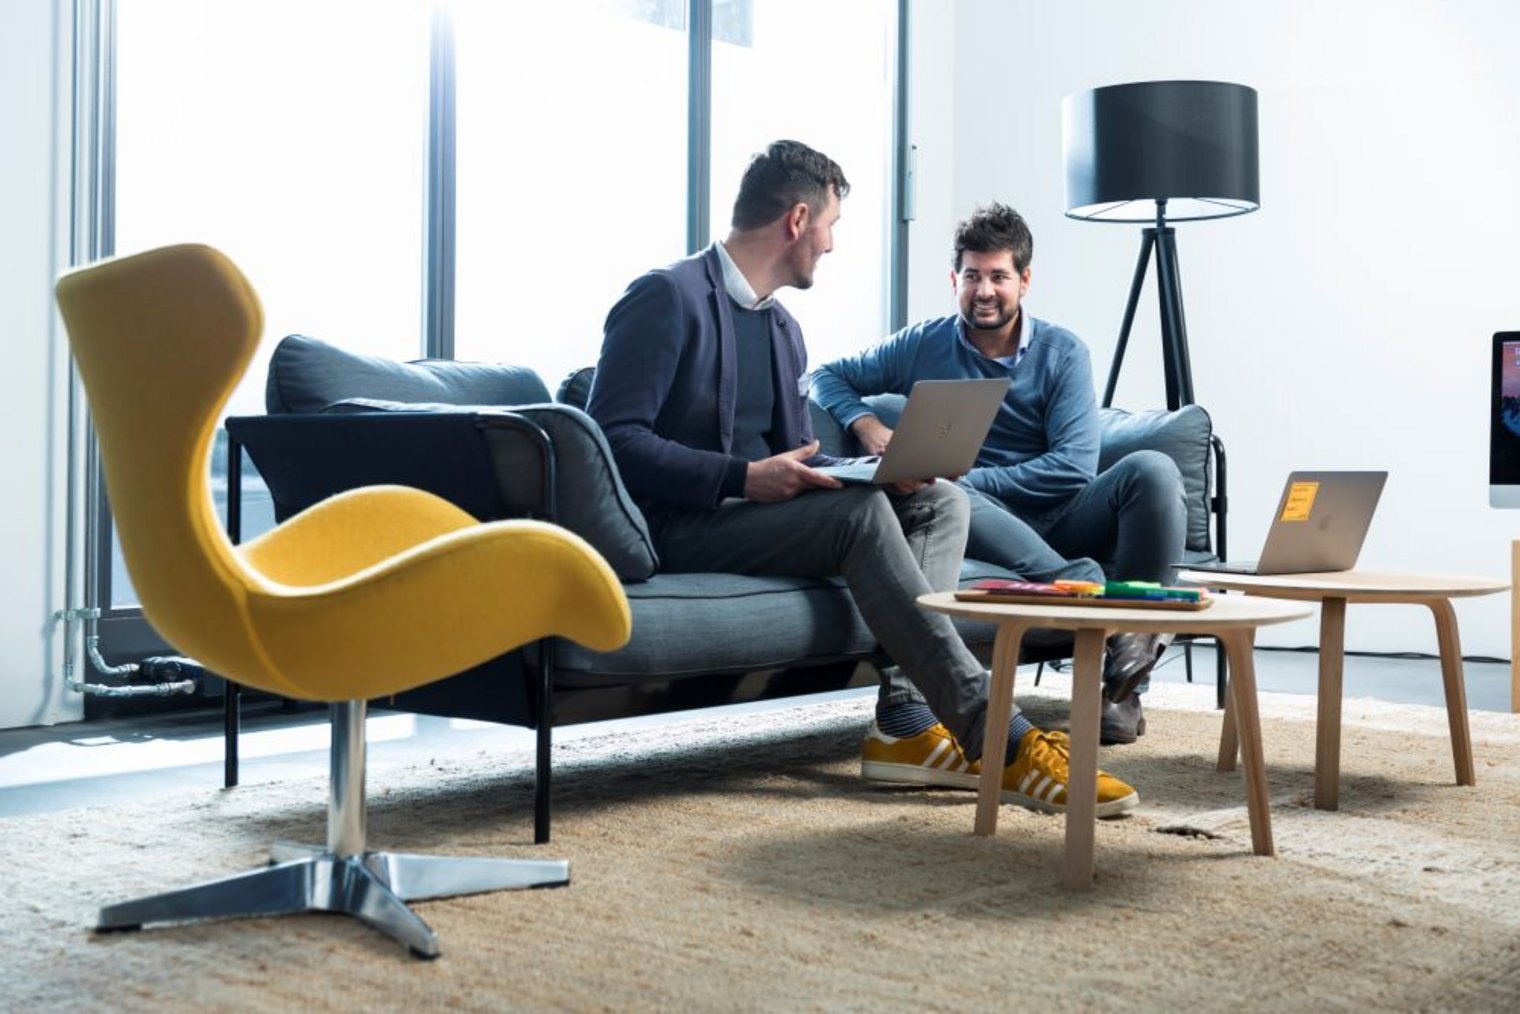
pixel 905 720
pixel 1016 730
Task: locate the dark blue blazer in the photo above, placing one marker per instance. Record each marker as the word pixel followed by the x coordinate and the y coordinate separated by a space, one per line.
pixel 665 387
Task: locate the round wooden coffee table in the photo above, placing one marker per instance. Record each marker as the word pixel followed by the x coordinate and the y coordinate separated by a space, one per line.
pixel 1233 620
pixel 1334 591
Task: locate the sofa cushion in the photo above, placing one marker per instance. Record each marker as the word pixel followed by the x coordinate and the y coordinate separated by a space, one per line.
pixel 688 624
pixel 590 501
pixel 1183 434
pixel 575 389
pixel 307 375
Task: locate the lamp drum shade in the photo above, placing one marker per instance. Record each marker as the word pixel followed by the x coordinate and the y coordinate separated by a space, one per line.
pixel 1190 143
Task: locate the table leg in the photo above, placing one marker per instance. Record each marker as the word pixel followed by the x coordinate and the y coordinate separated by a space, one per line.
pixel 1327 728
pixel 1005 661
pixel 1456 690
pixel 1229 739
pixel 1248 720
pixel 1082 775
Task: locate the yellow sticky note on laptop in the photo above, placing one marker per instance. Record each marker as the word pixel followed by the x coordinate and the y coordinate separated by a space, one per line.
pixel 1300 501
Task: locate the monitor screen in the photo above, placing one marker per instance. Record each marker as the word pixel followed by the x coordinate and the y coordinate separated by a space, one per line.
pixel 1504 423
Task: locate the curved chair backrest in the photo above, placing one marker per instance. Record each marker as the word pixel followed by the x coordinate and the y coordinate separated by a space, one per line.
pixel 161 338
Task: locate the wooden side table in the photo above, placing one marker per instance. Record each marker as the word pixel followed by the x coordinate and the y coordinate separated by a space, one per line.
pixel 1334 591
pixel 1232 619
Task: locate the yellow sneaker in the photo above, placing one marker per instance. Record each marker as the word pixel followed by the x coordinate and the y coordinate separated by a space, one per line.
pixel 933 757
pixel 1037 778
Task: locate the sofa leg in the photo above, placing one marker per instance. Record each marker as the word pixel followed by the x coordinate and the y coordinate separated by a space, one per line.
pixel 1222 674
pixel 1037 671
pixel 231 726
pixel 544 762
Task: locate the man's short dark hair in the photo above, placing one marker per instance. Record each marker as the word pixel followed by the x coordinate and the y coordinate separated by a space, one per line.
pixel 992 228
pixel 785 174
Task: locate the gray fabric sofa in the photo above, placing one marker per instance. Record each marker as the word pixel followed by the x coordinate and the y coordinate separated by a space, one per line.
pixel 339 419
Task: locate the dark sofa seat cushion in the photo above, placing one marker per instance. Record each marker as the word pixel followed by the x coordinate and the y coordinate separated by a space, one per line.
pixel 590 501
pixel 687 624
pixel 307 375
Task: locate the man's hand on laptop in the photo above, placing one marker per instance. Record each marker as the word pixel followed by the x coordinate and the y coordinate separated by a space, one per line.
pixel 783 476
pixel 874 436
pixel 871 434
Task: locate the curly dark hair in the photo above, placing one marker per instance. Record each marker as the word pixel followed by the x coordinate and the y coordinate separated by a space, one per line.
pixel 993 227
pixel 785 174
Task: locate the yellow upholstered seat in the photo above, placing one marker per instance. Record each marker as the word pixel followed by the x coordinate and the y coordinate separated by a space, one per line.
pixel 370 593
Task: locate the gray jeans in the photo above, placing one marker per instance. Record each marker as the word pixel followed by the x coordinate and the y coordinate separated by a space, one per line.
pixel 889 550
pixel 1133 517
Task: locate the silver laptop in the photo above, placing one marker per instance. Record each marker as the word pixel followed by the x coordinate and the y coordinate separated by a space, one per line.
pixel 939 433
pixel 1320 525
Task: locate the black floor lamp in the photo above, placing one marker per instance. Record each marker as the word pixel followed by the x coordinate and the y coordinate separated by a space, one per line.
pixel 1160 151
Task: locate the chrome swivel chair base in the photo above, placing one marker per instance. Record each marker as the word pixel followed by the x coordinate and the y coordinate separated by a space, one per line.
pixel 373 887
pixel 344 877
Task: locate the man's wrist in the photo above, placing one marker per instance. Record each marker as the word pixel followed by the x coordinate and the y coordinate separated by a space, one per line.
pixel 862 420
pixel 735 478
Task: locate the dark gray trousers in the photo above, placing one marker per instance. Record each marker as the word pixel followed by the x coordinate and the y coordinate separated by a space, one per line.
pixel 889 550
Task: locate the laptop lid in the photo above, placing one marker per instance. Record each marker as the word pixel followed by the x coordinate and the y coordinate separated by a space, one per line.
pixel 939 433
pixel 1321 522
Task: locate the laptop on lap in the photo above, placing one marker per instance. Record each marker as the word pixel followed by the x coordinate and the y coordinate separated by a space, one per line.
pixel 1320 525
pixel 939 433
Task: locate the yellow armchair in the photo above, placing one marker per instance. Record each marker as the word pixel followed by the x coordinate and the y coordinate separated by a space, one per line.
pixel 369 593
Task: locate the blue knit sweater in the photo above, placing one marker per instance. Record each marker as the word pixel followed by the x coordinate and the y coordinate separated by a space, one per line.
pixel 1043 445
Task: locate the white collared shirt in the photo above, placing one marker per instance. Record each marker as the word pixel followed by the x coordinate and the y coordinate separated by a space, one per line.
pixel 737 286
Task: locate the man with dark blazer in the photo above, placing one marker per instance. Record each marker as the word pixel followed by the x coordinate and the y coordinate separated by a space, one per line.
pixel 700 391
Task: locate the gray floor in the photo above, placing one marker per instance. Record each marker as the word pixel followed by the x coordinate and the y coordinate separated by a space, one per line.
pixel 94 763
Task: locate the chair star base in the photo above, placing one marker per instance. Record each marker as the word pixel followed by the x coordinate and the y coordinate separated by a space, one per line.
pixel 373 887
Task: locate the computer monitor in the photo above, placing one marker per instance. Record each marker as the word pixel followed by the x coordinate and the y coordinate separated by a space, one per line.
pixel 1504 423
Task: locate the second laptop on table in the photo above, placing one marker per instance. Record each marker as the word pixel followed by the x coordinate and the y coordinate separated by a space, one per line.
pixel 939 433
pixel 1320 525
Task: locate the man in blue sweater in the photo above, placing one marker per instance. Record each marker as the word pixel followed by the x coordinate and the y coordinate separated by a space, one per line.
pixel 700 392
pixel 1039 506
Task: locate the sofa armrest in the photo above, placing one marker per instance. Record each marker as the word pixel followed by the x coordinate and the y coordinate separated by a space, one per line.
pixel 307 458
pixel 547 461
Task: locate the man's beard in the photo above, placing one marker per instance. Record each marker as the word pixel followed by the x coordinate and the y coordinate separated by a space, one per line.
pixel 1002 321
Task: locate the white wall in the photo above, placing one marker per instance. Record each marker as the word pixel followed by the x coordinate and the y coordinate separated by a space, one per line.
pixel 31 448
pixel 1344 325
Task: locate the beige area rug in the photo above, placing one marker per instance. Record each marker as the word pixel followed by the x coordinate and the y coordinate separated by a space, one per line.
pixel 741 864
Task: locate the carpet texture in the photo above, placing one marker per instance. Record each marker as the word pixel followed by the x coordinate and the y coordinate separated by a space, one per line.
pixel 740 863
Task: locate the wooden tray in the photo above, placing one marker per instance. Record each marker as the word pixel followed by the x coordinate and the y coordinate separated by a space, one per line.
pixel 990 595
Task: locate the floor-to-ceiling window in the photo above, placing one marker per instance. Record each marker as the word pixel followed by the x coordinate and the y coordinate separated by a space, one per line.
pixel 820 73
pixel 571 170
pixel 295 135
pixel 289 134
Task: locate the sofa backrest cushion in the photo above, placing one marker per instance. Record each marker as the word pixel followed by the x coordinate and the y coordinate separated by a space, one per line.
pixel 575 389
pixel 1184 435
pixel 590 498
pixel 307 375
